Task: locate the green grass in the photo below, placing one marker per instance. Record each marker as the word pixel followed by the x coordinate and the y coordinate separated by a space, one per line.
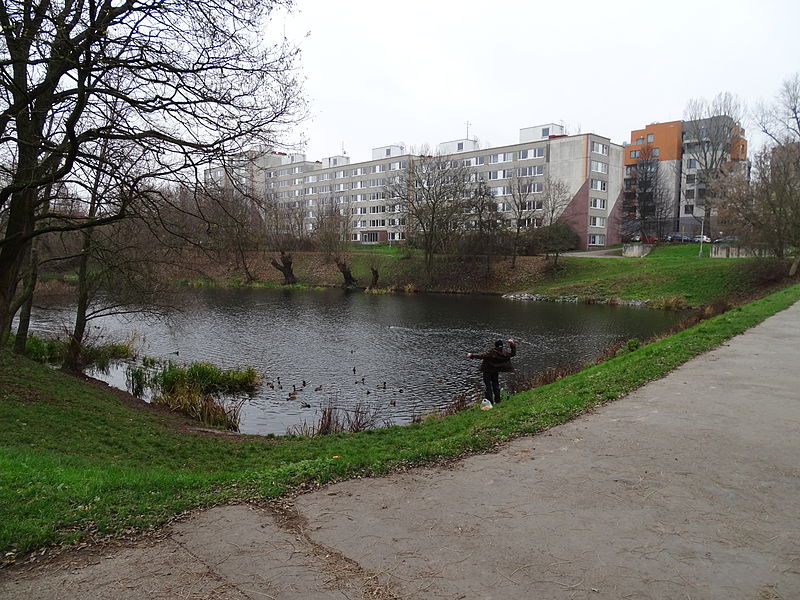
pixel 76 461
pixel 669 272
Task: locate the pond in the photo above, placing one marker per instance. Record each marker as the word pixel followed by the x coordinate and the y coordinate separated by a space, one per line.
pixel 399 355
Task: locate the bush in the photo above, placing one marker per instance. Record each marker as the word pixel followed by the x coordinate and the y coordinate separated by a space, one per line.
pixel 762 272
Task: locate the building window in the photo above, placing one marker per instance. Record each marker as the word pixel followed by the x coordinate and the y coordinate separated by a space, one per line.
pixel 688 209
pixel 494 175
pixel 532 205
pixel 545 131
pixel 691 178
pixel 479 160
pixel 640 140
pixel 656 152
pixel 597 202
pixel 599 167
pixel 691 163
pixel 597 239
pixel 650 138
pixel 501 157
pixel 636 153
pixel 532 171
pixel 690 194
pixel 599 185
pixel 599 148
pixel 460 146
pixel 597 221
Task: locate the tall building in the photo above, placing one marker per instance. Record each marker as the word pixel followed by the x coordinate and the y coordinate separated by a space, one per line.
pixel 588 164
pixel 687 155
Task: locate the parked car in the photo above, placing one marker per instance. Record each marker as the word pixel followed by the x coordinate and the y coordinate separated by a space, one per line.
pixel 677 237
pixel 728 239
pixel 701 238
pixel 639 238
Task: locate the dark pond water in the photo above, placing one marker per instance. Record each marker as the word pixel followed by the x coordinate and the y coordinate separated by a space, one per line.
pixel 350 344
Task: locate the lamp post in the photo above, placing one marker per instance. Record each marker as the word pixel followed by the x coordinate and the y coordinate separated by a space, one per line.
pixel 702 223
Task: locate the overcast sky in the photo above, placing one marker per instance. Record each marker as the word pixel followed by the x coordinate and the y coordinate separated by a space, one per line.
pixel 415 71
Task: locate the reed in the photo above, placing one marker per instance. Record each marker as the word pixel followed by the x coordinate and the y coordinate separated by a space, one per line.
pixel 200 390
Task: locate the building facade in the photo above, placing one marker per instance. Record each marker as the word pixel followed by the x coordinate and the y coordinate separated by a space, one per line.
pixel 688 154
pixel 588 164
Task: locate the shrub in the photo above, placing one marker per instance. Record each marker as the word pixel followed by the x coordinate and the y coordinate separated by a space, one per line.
pixel 762 272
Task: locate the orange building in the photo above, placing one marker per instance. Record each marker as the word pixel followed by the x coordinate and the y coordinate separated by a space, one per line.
pixel 681 191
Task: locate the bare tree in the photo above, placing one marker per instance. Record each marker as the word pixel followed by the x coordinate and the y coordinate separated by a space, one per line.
pixel 522 207
pixel 654 206
pixel 768 208
pixel 554 199
pixel 711 131
pixel 780 120
pixel 435 190
pixel 197 78
pixel 332 226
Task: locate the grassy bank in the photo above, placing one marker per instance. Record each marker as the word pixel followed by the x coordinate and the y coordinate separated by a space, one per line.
pixel 674 274
pixel 669 273
pixel 77 459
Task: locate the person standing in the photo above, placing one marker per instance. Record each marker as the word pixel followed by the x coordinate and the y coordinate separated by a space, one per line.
pixel 495 360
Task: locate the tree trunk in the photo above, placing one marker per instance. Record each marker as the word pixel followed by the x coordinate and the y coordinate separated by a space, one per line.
pixel 795 264
pixel 285 267
pixel 349 280
pixel 21 341
pixel 12 254
pixel 375 276
pixel 242 256
pixel 72 360
pixel 516 244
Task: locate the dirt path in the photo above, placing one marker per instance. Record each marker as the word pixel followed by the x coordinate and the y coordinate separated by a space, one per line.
pixel 687 488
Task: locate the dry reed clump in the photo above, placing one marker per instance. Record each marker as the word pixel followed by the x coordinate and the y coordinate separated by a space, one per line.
pixel 334 419
pixel 671 303
pixel 203 407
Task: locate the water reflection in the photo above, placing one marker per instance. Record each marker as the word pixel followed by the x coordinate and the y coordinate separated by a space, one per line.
pixel 401 355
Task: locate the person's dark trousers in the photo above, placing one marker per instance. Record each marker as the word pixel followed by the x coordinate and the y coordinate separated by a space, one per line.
pixel 492 382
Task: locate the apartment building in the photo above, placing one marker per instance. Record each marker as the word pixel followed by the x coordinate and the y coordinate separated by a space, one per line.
pixel 589 164
pixel 684 151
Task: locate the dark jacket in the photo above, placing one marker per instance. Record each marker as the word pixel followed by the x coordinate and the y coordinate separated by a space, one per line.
pixel 497 360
